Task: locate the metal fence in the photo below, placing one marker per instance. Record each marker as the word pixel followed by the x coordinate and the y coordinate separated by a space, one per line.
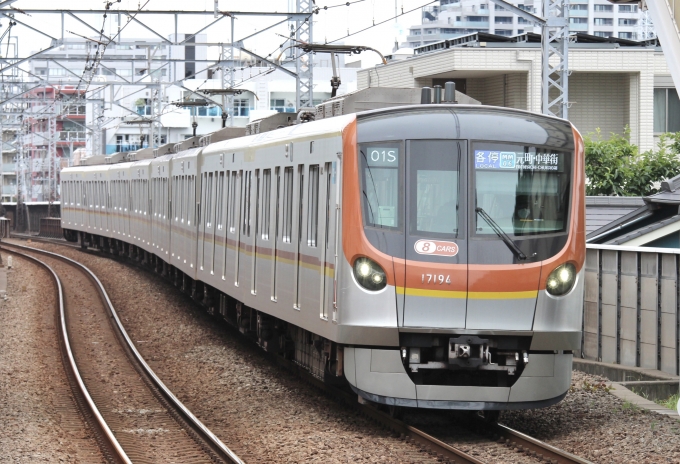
pixel 631 314
pixel 50 227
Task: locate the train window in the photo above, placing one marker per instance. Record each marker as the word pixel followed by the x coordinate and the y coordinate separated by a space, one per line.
pixel 257 201
pixel 433 182
pixel 245 194
pixel 381 164
pixel 287 204
pixel 278 196
pixel 208 210
pixel 192 207
pixel 524 189
pixel 313 206
pixel 183 198
pixel 301 183
pixel 218 200
pixel 266 201
pixel 328 199
pixel 174 198
pixel 232 204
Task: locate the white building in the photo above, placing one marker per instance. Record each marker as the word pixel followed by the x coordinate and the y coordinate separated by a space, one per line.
pixel 614 83
pixel 453 18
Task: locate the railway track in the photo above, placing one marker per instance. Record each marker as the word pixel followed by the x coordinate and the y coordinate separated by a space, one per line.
pixel 439 443
pixel 133 415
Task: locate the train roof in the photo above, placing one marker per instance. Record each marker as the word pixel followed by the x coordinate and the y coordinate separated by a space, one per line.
pixel 314 129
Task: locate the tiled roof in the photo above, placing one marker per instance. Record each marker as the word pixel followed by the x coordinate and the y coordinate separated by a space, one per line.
pixel 601 211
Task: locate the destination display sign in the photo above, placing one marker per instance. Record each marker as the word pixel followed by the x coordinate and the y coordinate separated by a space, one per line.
pixel 383 157
pixel 496 159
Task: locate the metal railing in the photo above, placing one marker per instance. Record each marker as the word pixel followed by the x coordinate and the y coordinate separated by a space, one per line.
pixel 631 312
pixel 72 136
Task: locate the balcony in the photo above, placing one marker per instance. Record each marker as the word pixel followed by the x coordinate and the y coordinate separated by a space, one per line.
pixel 72 136
pixel 473 24
pixel 583 27
pixel 9 167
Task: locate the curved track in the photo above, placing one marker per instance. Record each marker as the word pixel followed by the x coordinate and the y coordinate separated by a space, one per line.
pixel 487 434
pixel 132 413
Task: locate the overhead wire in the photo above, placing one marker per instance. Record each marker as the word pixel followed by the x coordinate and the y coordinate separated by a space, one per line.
pixel 384 21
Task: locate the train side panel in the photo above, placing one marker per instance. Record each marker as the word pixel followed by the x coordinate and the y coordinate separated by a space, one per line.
pixel 160 205
pixel 140 212
pixel 185 193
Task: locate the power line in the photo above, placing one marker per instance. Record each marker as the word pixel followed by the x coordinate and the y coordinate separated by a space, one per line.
pixel 383 22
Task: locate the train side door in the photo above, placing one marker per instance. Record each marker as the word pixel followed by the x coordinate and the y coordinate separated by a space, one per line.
pixel 435 291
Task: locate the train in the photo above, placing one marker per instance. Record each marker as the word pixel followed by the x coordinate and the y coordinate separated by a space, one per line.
pixel 428 256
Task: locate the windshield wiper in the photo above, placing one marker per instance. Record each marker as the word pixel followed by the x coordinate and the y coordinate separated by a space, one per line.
pixel 503 236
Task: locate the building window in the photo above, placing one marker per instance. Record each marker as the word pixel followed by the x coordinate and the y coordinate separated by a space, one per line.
pixel 498 7
pixel 503 19
pixel 627 35
pixel 144 110
pixel 627 22
pixel 666 111
pixel 578 20
pixel 430 31
pixel 241 107
pixel 526 8
pixel 211 111
pixel 280 105
pixel 521 20
pixel 415 31
pixel 604 21
pixel 478 19
pixel 602 34
pixel 579 6
pixel 628 9
pixel 604 8
pixel 503 32
pixel 483 6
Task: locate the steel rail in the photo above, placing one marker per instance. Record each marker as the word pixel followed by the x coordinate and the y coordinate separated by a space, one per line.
pixel 114 446
pixel 215 444
pixel 536 447
pixel 424 441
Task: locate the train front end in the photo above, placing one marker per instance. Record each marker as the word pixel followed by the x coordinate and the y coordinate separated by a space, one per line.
pixel 463 233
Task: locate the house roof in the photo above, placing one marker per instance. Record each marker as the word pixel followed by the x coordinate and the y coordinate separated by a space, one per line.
pixel 652 213
pixel 601 211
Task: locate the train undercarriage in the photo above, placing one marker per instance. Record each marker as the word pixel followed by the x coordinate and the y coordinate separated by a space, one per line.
pixel 322 358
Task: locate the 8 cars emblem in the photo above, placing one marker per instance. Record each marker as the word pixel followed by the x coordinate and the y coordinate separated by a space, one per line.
pixel 436 247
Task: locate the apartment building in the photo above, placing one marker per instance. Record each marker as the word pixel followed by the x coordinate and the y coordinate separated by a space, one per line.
pixel 453 18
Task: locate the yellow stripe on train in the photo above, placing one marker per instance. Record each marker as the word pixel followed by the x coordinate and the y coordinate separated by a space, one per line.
pixel 468 295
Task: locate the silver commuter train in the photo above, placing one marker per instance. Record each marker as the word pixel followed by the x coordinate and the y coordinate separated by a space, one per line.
pixel 432 255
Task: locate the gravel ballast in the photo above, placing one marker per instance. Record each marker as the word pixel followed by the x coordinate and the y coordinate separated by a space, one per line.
pixel 38 418
pixel 262 412
pixel 268 415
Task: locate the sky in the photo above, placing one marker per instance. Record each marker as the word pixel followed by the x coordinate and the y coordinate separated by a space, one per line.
pixel 329 25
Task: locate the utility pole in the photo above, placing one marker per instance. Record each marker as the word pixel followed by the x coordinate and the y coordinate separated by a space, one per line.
pixel 304 62
pixel 555 48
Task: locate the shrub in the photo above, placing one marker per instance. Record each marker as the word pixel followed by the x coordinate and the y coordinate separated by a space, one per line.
pixel 614 167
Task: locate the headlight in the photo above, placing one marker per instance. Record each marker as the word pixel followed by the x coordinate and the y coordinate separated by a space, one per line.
pixel 369 274
pixel 561 280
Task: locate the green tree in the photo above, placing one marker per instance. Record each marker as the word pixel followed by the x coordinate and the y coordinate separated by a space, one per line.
pixel 614 167
pixel 607 163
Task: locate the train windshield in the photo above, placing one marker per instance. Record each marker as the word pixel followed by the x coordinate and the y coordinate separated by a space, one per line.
pixel 380 179
pixel 524 190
